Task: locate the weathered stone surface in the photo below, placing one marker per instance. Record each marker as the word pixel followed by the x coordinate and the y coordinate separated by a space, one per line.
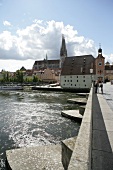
pixel 82 110
pixel 72 114
pixel 82 94
pixel 78 100
pixel 67 149
pixel 81 156
pixel 35 158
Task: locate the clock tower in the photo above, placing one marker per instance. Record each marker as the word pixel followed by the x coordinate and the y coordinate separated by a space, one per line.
pixel 100 65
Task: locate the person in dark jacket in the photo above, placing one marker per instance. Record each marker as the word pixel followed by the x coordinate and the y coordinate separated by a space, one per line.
pixel 101 86
pixel 96 86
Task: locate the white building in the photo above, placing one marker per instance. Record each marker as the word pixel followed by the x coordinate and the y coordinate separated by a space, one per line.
pixel 78 72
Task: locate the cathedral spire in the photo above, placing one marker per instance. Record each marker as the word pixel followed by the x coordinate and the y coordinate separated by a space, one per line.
pixel 63 51
pixel 46 57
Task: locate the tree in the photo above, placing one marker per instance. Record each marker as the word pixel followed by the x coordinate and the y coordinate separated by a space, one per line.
pixel 5 75
pixel 19 76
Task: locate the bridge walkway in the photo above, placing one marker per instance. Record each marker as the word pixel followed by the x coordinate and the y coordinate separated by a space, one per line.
pixel 102 130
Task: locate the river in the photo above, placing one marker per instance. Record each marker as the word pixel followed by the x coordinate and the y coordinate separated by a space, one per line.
pixel 30 118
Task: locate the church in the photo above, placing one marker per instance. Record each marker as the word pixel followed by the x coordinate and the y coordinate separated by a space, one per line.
pixel 52 64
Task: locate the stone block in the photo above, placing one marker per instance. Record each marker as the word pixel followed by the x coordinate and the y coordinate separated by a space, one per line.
pixel 67 150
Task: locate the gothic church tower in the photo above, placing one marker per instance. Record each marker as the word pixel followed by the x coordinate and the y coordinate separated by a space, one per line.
pixel 63 52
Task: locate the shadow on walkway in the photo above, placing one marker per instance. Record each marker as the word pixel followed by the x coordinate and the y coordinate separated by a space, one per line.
pixel 102 156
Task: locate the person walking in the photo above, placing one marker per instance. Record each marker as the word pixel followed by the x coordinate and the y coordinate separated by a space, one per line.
pixel 96 86
pixel 101 86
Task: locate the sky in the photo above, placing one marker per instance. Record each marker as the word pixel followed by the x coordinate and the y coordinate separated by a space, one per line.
pixel 30 29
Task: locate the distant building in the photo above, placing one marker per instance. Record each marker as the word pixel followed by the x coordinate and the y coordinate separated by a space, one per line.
pixel 108 71
pixel 52 64
pixel 100 65
pixel 78 72
pixel 47 75
pixel 41 66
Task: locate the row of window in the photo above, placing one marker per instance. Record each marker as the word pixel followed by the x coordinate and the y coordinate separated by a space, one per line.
pixel 50 66
pixel 75 85
pixel 71 81
pixel 71 76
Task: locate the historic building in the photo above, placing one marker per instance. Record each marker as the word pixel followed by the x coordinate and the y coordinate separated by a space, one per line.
pixel 108 72
pixel 100 65
pixel 48 67
pixel 52 64
pixel 78 72
pixel 47 75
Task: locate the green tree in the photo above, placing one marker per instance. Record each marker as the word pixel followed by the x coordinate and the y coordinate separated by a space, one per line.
pixel 5 75
pixel 19 76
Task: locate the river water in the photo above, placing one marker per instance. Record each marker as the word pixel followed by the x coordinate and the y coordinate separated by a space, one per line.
pixel 30 118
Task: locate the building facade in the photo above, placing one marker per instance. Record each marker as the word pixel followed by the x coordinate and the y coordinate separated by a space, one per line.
pixel 108 72
pixel 52 64
pixel 42 66
pixel 79 72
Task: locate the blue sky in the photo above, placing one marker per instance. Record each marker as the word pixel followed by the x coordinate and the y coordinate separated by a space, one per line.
pixel 31 28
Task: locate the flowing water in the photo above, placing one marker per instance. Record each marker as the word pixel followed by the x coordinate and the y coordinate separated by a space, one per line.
pixel 30 118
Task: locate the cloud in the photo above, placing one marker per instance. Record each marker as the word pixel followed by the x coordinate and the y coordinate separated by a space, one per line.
pixel 39 38
pixel 110 58
pixel 13 65
pixel 6 23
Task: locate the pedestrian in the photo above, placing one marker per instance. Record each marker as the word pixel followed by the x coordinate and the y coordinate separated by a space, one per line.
pixel 101 86
pixel 96 86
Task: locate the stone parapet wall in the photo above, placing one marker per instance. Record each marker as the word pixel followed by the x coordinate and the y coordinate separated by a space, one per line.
pixel 81 156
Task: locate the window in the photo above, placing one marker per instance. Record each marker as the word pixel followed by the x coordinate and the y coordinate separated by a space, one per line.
pixel 65 80
pixel 100 63
pixel 83 80
pixel 70 80
pixel 77 80
pixel 75 84
pixel 71 84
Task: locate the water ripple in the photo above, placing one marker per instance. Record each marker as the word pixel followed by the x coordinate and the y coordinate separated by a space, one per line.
pixel 33 118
